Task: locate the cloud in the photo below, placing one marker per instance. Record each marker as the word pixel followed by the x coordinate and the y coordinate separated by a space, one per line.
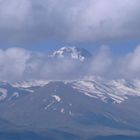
pixel 101 62
pixel 13 63
pixel 17 64
pixel 21 64
pixel 75 20
pixel 130 65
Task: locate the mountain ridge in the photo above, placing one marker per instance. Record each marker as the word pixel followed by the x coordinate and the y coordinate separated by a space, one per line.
pixel 74 106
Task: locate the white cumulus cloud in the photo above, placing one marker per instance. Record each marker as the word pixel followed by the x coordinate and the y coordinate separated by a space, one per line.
pixel 21 64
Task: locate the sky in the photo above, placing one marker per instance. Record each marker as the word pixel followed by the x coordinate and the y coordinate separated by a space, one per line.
pixel 31 29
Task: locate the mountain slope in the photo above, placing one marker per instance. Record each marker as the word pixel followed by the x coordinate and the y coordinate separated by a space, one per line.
pixel 83 108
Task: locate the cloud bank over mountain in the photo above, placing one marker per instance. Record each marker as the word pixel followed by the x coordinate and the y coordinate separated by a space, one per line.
pixel 22 64
pixel 75 20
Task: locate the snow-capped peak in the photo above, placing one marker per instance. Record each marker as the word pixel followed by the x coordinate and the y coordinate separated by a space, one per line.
pixel 72 52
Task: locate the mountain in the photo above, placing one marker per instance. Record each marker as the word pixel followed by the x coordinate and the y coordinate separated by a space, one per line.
pixel 72 52
pixel 80 109
pixel 91 108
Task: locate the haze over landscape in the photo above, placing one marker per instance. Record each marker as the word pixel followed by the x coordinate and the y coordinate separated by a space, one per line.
pixel 69 70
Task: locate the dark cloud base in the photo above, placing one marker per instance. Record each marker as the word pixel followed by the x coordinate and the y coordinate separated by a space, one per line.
pixel 76 20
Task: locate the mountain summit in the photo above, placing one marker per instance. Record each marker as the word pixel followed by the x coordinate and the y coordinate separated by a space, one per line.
pixel 72 52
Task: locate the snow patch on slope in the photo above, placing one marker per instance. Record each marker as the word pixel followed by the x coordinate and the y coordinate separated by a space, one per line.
pixel 3 94
pixel 115 90
pixel 57 98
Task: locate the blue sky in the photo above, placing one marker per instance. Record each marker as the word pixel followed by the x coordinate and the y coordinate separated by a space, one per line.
pixel 116 47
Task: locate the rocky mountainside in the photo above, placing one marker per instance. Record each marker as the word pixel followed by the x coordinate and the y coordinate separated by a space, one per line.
pixel 79 109
pixel 71 53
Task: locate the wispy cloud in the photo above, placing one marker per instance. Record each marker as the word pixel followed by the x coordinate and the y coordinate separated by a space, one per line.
pixel 13 63
pixel 101 62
